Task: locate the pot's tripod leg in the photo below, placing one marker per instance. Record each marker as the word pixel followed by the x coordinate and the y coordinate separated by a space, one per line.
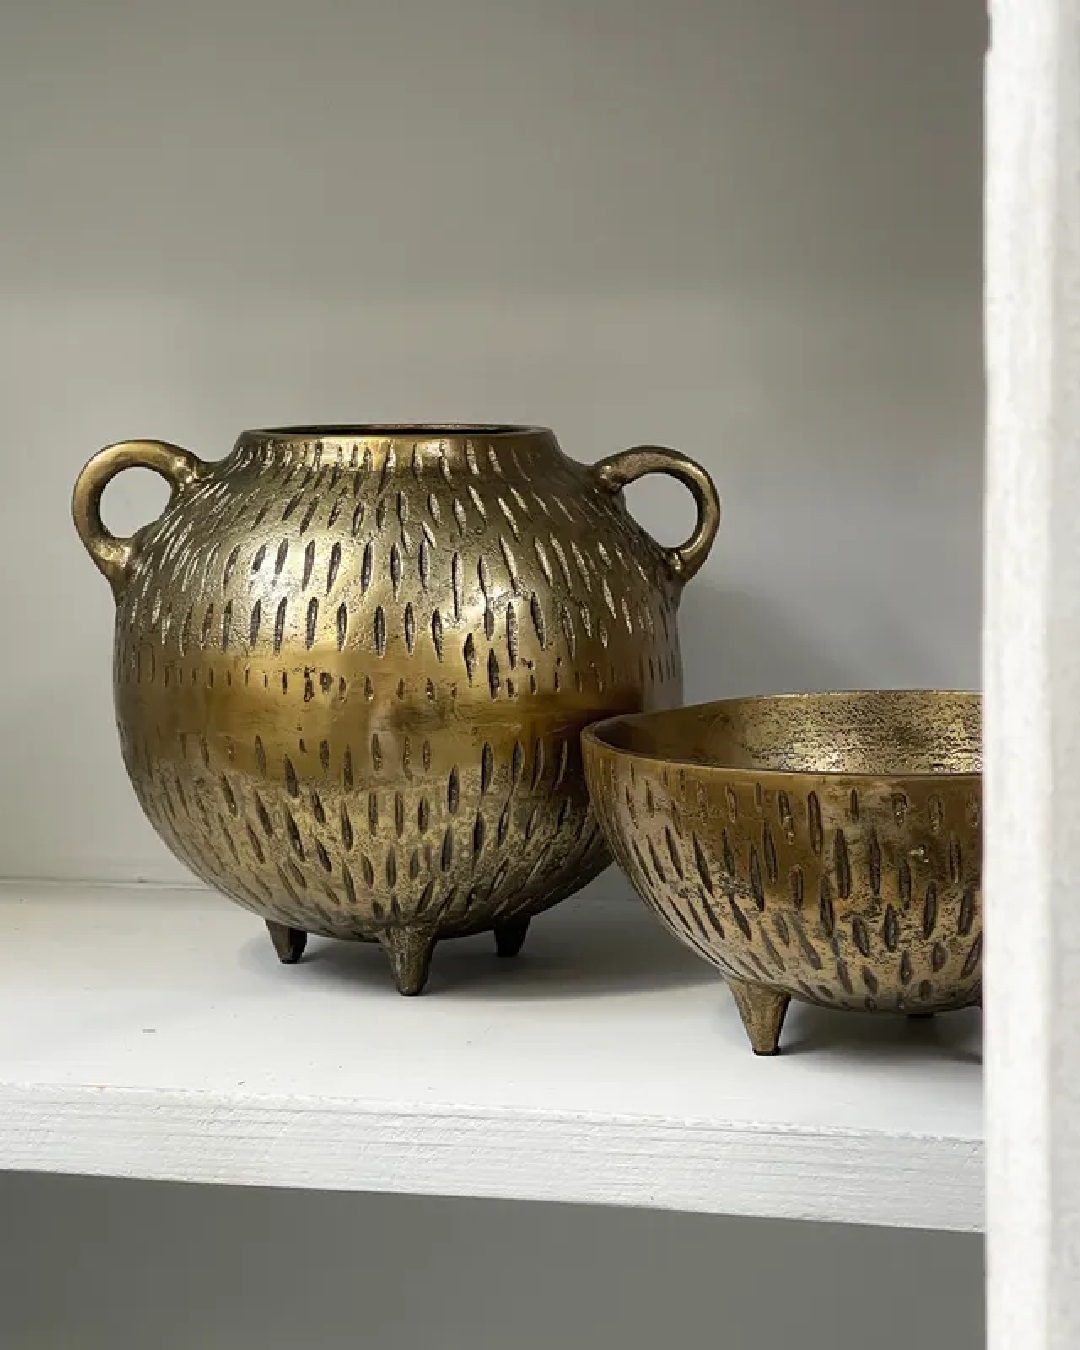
pixel 409 952
pixel 762 1011
pixel 510 936
pixel 289 943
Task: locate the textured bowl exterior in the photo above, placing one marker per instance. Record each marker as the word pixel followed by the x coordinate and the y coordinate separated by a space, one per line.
pixel 351 674
pixel 850 891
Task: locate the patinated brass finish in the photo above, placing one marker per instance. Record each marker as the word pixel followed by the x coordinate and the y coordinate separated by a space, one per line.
pixel 823 847
pixel 353 664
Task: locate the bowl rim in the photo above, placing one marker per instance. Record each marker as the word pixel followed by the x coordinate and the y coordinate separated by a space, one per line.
pixel 593 735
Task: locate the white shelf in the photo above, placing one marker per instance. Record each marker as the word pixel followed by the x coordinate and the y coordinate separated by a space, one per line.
pixel 147 1032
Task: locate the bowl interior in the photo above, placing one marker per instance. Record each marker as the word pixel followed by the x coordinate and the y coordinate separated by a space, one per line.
pixel 878 732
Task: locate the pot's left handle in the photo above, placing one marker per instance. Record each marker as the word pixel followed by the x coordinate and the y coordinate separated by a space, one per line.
pixel 110 554
pixel 617 471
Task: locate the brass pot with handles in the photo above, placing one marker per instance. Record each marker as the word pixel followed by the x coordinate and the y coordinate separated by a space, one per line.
pixel 352 665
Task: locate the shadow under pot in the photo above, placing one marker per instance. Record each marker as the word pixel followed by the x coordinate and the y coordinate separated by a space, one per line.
pixel 822 847
pixel 352 666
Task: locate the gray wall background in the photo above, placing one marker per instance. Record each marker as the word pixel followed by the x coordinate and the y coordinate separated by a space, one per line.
pixel 750 230
pixel 105 1265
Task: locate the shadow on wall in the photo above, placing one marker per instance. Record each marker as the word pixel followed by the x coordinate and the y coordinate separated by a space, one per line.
pixel 741 642
pixel 103 1265
pixel 735 642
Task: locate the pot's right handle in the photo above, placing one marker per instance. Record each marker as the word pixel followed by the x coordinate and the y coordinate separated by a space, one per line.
pixel 110 554
pixel 617 471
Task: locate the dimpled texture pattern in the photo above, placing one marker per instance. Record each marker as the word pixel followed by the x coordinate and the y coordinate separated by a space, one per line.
pixel 858 891
pixel 351 674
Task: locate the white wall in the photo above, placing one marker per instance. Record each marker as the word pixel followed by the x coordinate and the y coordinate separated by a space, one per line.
pixel 747 229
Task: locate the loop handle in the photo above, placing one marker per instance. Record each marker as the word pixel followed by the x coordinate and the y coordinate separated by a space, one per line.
pixel 617 471
pixel 112 555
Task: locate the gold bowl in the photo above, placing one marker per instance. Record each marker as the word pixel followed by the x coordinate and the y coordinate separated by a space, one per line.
pixel 823 847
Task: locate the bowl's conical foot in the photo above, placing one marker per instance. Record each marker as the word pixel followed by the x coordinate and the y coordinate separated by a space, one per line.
pixel 289 943
pixel 762 1011
pixel 510 937
pixel 409 952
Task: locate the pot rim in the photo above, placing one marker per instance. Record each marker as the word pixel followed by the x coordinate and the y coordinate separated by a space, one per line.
pixel 596 735
pixel 433 431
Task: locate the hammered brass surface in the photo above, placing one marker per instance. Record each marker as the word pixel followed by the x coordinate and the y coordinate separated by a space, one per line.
pixel 823 847
pixel 352 666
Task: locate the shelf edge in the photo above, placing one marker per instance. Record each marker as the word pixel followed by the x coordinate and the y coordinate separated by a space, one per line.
pixel 910 1181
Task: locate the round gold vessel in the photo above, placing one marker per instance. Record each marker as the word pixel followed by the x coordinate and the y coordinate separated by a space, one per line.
pixel 352 666
pixel 824 847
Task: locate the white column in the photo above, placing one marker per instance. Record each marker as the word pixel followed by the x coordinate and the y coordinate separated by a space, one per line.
pixel 1032 676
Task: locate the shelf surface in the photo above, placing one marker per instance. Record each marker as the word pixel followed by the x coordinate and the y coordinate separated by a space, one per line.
pixel 148 1032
